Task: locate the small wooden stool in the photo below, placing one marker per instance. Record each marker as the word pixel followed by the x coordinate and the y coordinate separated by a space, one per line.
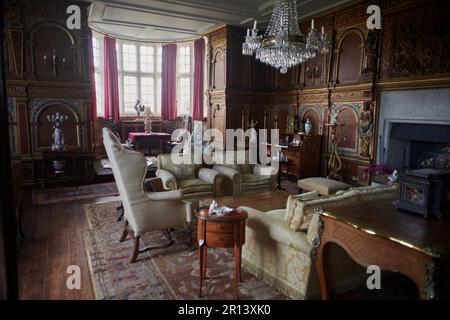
pixel 323 186
pixel 227 231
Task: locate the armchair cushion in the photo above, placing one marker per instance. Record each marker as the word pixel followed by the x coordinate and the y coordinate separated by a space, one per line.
pixel 182 171
pixel 168 179
pixel 253 180
pixel 228 172
pixel 237 160
pixel 263 170
pixel 165 195
pixel 208 175
pixel 195 186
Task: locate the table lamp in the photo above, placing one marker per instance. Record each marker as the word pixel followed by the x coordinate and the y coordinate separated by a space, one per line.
pixel 147 120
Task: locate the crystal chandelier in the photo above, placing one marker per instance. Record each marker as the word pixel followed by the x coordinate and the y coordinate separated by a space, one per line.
pixel 283 45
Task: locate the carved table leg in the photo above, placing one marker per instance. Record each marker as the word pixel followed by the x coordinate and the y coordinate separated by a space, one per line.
pixel 200 266
pixel 236 271
pixel 321 265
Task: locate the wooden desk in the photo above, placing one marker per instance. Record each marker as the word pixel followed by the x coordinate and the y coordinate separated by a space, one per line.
pixel 305 158
pixel 145 140
pixel 227 231
pixel 378 234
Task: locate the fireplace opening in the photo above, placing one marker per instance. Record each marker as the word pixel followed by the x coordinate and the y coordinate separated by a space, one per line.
pixel 410 144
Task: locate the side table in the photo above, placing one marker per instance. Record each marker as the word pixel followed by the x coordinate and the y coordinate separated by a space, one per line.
pixel 227 231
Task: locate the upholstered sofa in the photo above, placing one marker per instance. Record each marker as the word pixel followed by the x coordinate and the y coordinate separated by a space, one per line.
pixel 280 243
pixel 189 177
pixel 241 177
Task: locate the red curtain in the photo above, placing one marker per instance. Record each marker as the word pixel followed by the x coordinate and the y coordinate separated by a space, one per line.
pixel 199 56
pixel 169 82
pixel 92 77
pixel 111 80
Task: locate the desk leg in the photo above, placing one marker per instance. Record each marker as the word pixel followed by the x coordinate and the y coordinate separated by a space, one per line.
pixel 44 174
pixel 279 187
pixel 321 266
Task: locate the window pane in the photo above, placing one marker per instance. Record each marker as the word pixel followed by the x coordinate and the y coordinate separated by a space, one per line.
pixel 148 92
pixel 184 60
pixel 159 60
pixel 129 93
pixel 184 96
pixel 99 93
pixel 96 52
pixel 158 96
pixel 147 59
pixel 129 57
pixel 119 64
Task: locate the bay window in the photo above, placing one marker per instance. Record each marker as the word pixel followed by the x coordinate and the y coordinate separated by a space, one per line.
pixel 139 72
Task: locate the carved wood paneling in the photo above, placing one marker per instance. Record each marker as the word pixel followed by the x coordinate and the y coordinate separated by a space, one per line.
pixel 359 66
pixel 413 47
pixel 34 30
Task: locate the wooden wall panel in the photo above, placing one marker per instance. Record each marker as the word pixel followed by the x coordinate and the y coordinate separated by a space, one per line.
pixel 41 86
pixel 409 52
pixel 350 59
pixel 417 42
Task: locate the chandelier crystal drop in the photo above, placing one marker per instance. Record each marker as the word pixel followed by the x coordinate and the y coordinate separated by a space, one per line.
pixel 283 45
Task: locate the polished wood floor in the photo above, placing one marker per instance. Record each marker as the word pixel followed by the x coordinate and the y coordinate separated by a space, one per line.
pixel 53 242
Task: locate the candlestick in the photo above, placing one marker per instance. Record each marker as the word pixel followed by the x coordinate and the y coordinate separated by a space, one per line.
pixel 312 24
pixel 254 24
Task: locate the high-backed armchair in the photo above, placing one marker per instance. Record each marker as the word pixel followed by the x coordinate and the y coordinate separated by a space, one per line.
pixel 244 178
pixel 144 211
pixel 191 179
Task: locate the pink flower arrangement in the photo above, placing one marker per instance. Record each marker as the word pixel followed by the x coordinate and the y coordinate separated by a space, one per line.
pixel 379 168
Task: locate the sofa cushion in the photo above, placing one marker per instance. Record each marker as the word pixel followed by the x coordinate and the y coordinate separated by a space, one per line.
pixel 292 203
pixel 194 186
pixel 272 225
pixel 322 185
pixel 253 180
pixel 306 209
pixel 277 213
pixel 377 193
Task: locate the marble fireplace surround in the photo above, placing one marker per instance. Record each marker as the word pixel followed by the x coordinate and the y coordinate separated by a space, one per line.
pixel 421 106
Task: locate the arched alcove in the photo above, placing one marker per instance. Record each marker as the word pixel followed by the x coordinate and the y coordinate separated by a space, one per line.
pixel 315 118
pixel 54 51
pixel 350 57
pixel 348 133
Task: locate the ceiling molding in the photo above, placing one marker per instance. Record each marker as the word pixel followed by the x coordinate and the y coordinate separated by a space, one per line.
pixel 178 20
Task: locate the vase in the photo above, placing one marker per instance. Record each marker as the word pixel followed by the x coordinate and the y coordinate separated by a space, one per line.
pixel 59 166
pixel 308 126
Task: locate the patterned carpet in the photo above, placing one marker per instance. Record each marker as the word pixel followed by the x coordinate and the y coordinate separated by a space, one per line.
pixel 55 195
pixel 170 273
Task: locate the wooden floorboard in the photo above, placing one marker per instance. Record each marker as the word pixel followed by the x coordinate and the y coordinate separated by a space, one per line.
pixel 53 242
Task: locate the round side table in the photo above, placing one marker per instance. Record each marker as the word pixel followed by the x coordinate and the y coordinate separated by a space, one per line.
pixel 226 231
